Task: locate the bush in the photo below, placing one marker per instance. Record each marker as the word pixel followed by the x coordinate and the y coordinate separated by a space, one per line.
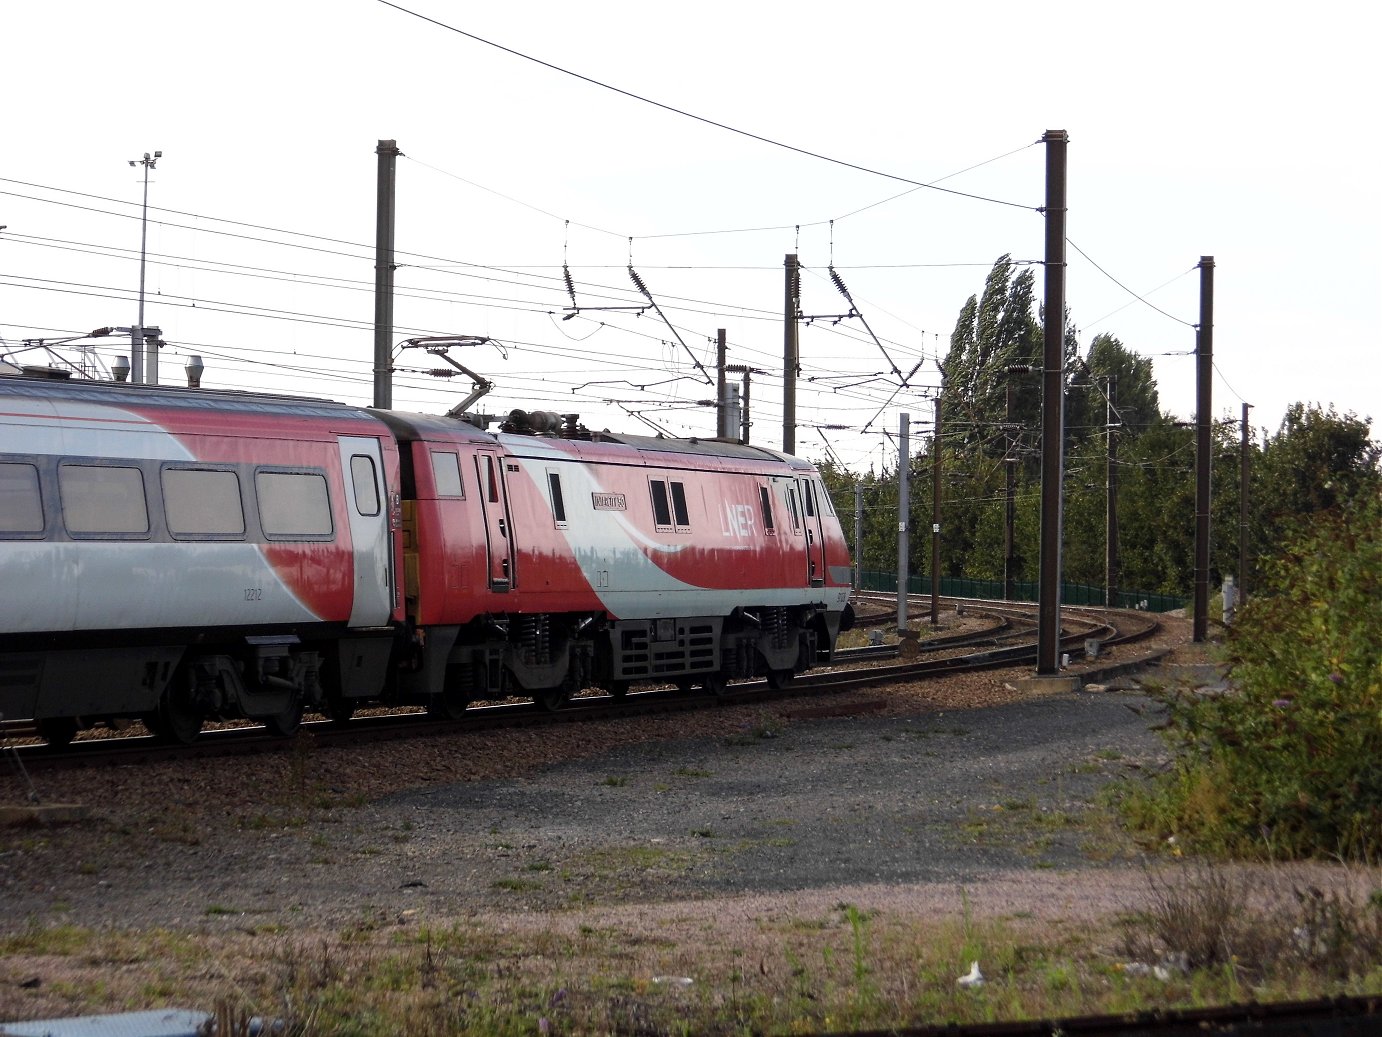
pixel 1294 752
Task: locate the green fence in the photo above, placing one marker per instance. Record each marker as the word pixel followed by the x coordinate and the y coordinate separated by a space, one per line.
pixel 1023 590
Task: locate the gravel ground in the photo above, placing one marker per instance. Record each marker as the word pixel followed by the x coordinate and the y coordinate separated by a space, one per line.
pixel 915 799
pixel 945 780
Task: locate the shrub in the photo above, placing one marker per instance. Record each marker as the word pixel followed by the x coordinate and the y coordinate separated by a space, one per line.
pixel 1295 750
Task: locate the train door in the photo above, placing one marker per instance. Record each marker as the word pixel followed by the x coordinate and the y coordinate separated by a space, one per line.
pixel 815 537
pixel 489 473
pixel 367 506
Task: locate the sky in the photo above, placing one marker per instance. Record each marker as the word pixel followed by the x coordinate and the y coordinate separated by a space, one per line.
pixel 1245 132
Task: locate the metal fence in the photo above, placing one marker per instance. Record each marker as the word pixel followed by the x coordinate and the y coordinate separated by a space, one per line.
pixel 1023 590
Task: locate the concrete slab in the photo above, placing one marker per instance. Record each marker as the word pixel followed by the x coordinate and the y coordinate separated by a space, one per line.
pixel 1057 682
pixel 172 1022
pixel 43 814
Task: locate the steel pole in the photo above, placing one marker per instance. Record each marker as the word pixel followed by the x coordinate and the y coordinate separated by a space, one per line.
pixel 1112 562
pixel 936 516
pixel 388 153
pixel 904 505
pixel 1052 407
pixel 791 356
pixel 1243 485
pixel 1009 501
pixel 859 535
pixel 721 410
pixel 137 332
pixel 1204 381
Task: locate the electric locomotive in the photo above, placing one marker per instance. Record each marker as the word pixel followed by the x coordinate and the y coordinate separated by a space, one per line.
pixel 176 555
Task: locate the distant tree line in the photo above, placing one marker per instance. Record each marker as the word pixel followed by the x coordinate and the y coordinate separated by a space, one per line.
pixel 991 419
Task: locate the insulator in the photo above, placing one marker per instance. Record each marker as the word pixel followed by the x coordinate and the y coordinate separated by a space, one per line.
pixel 570 285
pixel 639 282
pixel 839 282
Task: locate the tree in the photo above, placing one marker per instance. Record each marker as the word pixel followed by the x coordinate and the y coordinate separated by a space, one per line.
pixel 993 331
pixel 1317 461
pixel 1289 761
pixel 1112 372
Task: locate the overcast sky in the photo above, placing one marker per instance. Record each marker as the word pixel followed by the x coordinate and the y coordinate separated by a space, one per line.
pixel 1246 132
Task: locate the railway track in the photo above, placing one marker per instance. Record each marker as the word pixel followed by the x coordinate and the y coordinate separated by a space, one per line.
pixel 1329 1017
pixel 1008 641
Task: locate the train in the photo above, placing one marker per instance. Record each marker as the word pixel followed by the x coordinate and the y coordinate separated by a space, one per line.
pixel 179 555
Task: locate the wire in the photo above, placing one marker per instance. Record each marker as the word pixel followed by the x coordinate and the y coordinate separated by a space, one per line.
pixel 516 201
pixel 1226 383
pixel 1136 299
pixel 1125 288
pixel 933 183
pixel 700 118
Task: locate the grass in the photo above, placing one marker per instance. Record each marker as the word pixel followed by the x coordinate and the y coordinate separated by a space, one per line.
pixel 1217 935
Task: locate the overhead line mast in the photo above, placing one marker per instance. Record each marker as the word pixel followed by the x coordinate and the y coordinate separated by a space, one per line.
pixel 1052 408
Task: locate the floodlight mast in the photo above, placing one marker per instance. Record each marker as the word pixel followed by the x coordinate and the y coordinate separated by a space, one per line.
pixel 137 338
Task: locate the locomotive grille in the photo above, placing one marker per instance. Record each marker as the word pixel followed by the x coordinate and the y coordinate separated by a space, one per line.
pixel 21 673
pixel 693 649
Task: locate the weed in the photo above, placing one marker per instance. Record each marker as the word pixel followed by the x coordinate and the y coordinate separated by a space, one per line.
pixel 753 735
pixel 515 885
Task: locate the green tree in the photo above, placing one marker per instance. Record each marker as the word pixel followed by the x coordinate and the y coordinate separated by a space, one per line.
pixel 994 330
pixel 1317 460
pixel 1291 760
pixel 1112 374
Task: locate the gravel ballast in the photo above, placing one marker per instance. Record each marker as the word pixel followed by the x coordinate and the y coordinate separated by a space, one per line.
pixel 966 793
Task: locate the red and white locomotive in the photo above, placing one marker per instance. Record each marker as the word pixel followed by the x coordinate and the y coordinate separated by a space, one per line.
pixel 175 555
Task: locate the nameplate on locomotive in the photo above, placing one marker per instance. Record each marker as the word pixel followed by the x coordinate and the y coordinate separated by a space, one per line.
pixel 609 502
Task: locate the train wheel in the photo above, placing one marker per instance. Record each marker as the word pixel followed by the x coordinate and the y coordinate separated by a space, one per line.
pixel 338 710
pixel 779 679
pixel 176 721
pixel 58 731
pixel 447 706
pixel 716 685
pixel 552 699
pixel 618 690
pixel 285 724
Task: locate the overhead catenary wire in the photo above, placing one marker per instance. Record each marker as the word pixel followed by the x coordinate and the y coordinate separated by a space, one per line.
pixel 701 118
pixel 542 284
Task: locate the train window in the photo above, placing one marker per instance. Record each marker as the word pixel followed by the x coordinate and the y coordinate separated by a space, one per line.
pixel 766 500
pixel 809 496
pixel 362 474
pixel 679 507
pixel 662 514
pixel 491 481
pixel 21 509
pixel 796 511
pixel 446 474
pixel 293 504
pixel 828 504
pixel 203 502
pixel 103 499
pixel 558 502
